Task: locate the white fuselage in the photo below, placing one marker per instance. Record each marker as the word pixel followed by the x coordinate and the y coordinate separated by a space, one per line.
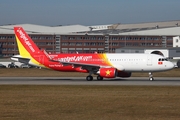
pixel 139 62
pixel 130 62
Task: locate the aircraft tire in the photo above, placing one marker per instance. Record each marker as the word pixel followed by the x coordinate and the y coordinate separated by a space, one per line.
pixel 99 77
pixel 151 78
pixel 89 78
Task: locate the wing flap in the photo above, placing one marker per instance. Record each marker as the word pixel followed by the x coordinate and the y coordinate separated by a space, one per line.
pixel 79 64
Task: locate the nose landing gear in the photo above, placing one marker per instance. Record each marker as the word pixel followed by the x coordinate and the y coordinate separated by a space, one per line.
pixel 151 76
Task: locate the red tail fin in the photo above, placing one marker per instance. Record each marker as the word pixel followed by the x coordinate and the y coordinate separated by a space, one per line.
pixel 29 50
pixel 25 43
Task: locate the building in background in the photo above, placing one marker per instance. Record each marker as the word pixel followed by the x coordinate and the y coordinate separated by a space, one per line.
pixel 176 41
pixel 90 39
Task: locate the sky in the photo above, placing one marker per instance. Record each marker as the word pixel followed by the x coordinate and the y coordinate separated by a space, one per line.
pixel 87 12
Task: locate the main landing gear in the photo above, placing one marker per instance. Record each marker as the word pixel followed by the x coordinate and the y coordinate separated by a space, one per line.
pixel 151 76
pixel 99 77
pixel 90 78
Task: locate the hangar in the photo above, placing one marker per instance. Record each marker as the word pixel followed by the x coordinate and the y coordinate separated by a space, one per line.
pixel 89 39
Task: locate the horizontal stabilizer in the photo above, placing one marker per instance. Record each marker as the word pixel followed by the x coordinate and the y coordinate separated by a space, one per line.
pixel 20 59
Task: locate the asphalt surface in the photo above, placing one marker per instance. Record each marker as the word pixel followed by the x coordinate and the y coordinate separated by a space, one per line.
pixel 159 81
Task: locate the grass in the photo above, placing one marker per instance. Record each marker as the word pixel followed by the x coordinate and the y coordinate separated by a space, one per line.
pixel 89 102
pixel 29 102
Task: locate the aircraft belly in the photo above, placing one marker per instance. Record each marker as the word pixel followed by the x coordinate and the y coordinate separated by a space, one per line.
pixel 138 68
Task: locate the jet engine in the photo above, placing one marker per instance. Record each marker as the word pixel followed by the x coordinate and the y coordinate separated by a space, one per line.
pixel 108 72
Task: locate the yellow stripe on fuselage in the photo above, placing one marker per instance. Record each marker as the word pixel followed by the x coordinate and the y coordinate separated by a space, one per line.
pixel 106 58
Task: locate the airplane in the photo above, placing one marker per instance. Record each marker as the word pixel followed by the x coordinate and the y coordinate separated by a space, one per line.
pixel 104 65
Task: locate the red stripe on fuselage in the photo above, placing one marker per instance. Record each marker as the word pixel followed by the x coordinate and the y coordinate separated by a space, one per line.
pixel 42 59
pixel 96 59
pixel 93 59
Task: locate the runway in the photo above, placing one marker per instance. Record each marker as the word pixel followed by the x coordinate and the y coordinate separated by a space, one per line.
pixel 159 81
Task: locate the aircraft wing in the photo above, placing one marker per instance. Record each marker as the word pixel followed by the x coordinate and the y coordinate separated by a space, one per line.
pixel 86 66
pixel 79 64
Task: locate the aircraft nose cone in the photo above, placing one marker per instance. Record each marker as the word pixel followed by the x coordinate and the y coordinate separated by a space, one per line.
pixel 170 65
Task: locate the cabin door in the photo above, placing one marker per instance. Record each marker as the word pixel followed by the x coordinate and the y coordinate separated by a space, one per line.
pixel 149 60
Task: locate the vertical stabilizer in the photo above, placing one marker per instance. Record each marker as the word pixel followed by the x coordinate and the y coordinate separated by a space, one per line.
pixel 28 49
pixel 25 44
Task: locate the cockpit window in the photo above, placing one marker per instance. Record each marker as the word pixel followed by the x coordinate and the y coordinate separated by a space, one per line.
pixel 163 59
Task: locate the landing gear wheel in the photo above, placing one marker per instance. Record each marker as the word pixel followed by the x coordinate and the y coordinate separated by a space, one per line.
pixel 151 76
pixel 99 77
pixel 89 78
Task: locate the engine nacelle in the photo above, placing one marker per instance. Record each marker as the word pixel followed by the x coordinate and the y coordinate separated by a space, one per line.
pixel 123 74
pixel 108 72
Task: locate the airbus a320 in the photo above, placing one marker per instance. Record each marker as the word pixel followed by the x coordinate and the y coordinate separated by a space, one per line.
pixel 105 65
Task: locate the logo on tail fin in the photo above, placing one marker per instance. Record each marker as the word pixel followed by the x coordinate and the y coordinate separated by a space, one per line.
pixel 25 39
pixel 27 48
